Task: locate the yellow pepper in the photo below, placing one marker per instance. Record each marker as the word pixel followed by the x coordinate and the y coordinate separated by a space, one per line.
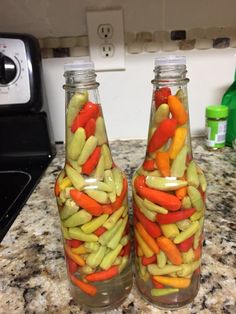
pixel 95 258
pixel 161 259
pixel 187 233
pixel 109 180
pixel 186 202
pixel 99 171
pixel 154 207
pixel 179 163
pixel 87 150
pixel 110 257
pixel 66 182
pixel 78 234
pixel 196 198
pixel 188 257
pixel 76 144
pixel 109 234
pixel 151 215
pixel 188 269
pixel 110 222
pixel 170 230
pixel 94 224
pixel 112 244
pixel 161 113
pixel 79 250
pixel 77 219
pixel 100 131
pixel 192 175
pixel 144 247
pixel 76 178
pixel 164 184
pixel 164 291
pixel 153 269
pixel 65 232
pixel 118 180
pixel 99 196
pixel 75 104
pixel 107 157
pixel 91 246
pixel 69 209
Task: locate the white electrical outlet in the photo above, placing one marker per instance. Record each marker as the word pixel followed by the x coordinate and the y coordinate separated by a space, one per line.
pixel 106 39
pixel 105 31
pixel 107 50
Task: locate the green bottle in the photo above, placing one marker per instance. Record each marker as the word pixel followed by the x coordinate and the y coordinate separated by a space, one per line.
pixel 229 100
pixel 216 124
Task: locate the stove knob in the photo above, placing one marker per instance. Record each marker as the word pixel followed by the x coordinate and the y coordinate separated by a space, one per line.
pixel 7 69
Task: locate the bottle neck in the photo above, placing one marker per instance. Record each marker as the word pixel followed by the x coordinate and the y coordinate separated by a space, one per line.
pixel 75 80
pixel 169 80
pixel 170 75
pixel 81 95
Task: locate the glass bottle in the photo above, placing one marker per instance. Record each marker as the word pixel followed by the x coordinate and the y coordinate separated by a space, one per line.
pixel 91 193
pixel 169 196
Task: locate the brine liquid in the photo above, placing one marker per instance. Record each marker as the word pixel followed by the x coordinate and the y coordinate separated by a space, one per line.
pixel 111 293
pixel 171 301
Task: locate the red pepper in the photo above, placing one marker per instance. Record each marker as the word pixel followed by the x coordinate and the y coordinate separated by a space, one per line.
pixel 176 216
pixel 73 243
pixel 168 201
pixel 203 194
pixel 56 189
pixel 84 286
pixel 91 163
pixel 161 135
pixel 186 244
pixel 72 266
pixel 149 165
pixel 157 284
pixel 127 229
pixel 127 249
pixel 103 274
pixel 90 128
pixel 100 231
pixel 149 260
pixel 107 209
pixel 122 252
pixel 140 181
pixel 89 111
pixel 161 96
pixel 86 202
pixel 151 227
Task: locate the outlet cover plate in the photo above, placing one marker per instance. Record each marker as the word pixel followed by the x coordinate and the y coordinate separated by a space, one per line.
pixel 105 29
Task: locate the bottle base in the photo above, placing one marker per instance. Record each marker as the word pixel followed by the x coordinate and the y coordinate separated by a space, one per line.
pixel 97 309
pixel 169 302
pixel 111 293
pixel 163 306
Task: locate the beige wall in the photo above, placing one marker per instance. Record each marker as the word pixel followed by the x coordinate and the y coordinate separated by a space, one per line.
pixel 67 17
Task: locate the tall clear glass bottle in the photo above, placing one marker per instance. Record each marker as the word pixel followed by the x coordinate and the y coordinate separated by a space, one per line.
pixel 169 196
pixel 91 193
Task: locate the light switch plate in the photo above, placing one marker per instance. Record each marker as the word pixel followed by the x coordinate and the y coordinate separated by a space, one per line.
pixel 106 39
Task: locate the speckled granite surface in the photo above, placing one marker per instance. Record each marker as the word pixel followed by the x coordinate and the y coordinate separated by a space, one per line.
pixel 32 269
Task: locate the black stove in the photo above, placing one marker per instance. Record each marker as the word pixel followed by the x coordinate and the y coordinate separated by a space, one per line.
pixel 26 140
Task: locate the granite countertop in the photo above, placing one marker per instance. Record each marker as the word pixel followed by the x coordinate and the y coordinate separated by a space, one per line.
pixel 33 273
